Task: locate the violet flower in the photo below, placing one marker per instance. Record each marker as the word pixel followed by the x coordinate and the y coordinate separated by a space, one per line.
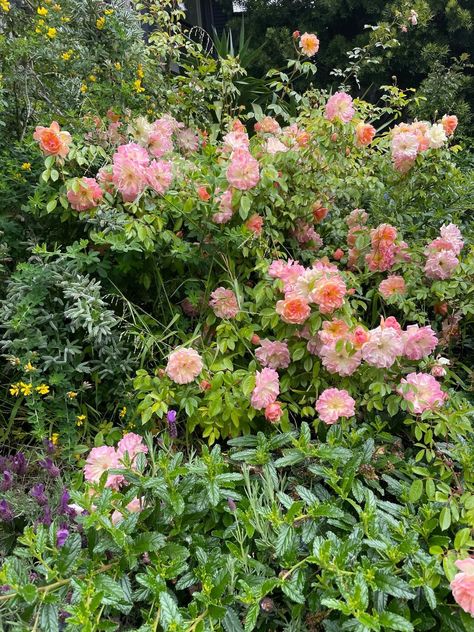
pixel 61 536
pixel 37 492
pixel 47 518
pixel 171 416
pixel 231 504
pixel 63 507
pixel 7 481
pixel 52 469
pixel 49 446
pixel 19 464
pixel 6 513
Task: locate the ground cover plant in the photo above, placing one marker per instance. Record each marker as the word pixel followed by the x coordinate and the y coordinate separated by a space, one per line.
pixel 237 383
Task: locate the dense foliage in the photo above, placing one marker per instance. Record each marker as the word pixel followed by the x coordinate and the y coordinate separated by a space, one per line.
pixel 237 389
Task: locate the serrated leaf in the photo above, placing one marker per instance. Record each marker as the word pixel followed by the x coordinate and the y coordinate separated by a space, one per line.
pixel 49 621
pixel 393 585
pixel 394 621
pixel 231 622
pixel 169 611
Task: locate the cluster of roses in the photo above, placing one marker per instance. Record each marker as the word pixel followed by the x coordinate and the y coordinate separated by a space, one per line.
pixel 106 458
pixel 442 253
pixel 409 140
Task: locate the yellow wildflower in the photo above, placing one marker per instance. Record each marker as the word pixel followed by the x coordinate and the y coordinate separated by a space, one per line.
pixel 92 78
pixel 137 86
pixel 84 88
pixel 67 55
pixel 57 7
pixel 140 73
pixel 29 367
pixel 65 19
pixel 80 420
pixel 100 23
pixel 15 390
pixel 71 394
pixel 26 166
pixel 108 11
pixel 25 389
pixel 52 32
pixel 5 5
pixel 118 65
pixel 42 389
pixel 37 30
pixel 123 412
pixel 54 438
pixel 42 11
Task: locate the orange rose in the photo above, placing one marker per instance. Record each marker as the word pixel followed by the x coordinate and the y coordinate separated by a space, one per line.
pixel 364 134
pixel 449 123
pixel 293 309
pixel 309 44
pixel 52 141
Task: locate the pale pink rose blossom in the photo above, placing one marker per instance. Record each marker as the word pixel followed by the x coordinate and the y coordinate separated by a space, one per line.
pixel 243 171
pixel 187 140
pixel 100 460
pixel 452 234
pixel 129 170
pixel 131 444
pixel 342 359
pixel 255 224
pixel 333 404
pixel 224 303
pixel 340 106
pixel 441 265
pixel 356 217
pixel 184 365
pixel 436 136
pixel 413 17
pixel 274 146
pixel 305 233
pixel 438 370
pixel 405 147
pixel 225 212
pixel 423 391
pixel 87 196
pixel 333 330
pixel 159 144
pixel 159 175
pixel 392 285
pixel 267 125
pixel 267 388
pixel 390 322
pixel 462 586
pixel 273 354
pixel 418 342
pixel 329 294
pixel 236 140
pixel 384 346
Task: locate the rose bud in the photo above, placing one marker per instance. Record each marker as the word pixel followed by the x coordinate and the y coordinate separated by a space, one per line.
pixel 273 412
pixel 334 137
pixel 338 254
pixel 296 34
pixel 255 340
pixel 319 212
pixel 204 385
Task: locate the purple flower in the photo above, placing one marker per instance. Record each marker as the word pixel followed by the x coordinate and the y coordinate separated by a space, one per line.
pixel 171 416
pixel 6 514
pixel 5 588
pixel 32 576
pixel 231 504
pixel 49 446
pixel 37 492
pixel 19 464
pixel 7 481
pixel 52 469
pixel 47 517
pixel 61 537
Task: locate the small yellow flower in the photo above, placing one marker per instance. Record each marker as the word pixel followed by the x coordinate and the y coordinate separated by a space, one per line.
pixel 67 54
pixel 41 22
pixel 137 86
pixel 29 368
pixel 5 5
pixel 84 88
pixel 71 394
pixel 100 23
pixel 123 412
pixel 118 65
pixel 140 73
pixel 54 438
pixel 57 7
pixel 25 389
pixel 37 30
pixel 26 166
pixel 42 11
pixel 65 19
pixel 42 389
pixel 52 32
pixel 15 390
pixel 108 11
pixel 92 78
pixel 80 420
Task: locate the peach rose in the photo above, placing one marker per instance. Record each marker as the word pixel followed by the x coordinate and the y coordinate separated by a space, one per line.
pixel 52 141
pixel 449 123
pixel 293 310
pixel 364 134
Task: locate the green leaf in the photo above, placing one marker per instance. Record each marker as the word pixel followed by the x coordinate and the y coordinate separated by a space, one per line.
pixel 416 490
pixel 394 621
pixel 231 622
pixel 430 597
pixel 251 617
pixel 69 554
pixel 462 538
pixel 51 205
pixel 29 593
pixel 445 518
pixel 49 618
pixel 169 611
pixel 112 591
pixel 393 585
pixel 145 542
pixel 284 540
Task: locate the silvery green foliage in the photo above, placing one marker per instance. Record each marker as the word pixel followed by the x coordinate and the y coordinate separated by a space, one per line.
pixel 54 311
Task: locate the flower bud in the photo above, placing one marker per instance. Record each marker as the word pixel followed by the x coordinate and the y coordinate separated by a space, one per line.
pixel 338 254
